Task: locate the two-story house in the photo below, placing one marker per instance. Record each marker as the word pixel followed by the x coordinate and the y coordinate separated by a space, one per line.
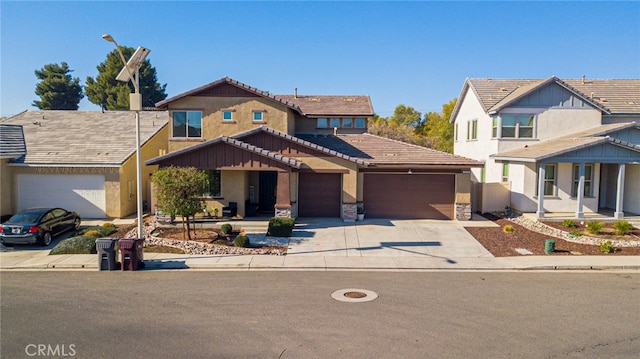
pixel 307 156
pixel 552 145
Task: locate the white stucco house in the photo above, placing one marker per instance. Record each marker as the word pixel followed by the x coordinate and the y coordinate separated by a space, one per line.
pixel 575 141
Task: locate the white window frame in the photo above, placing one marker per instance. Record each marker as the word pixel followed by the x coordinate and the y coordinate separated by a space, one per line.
pixel 588 181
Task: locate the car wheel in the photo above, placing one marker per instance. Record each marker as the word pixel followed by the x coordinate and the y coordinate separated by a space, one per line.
pixel 46 239
pixel 76 224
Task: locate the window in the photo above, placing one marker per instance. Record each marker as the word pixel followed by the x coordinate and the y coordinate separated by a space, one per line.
pixel 588 180
pixel 361 123
pixel 483 174
pixel 322 123
pixel 549 180
pixel 505 172
pixel 334 122
pixel 258 116
pixel 494 127
pixel 347 122
pixel 455 132
pixel 517 126
pixel 187 123
pixel 472 130
pixel 215 184
pixel 227 115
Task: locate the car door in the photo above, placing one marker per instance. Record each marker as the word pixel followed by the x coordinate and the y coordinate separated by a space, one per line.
pixel 48 223
pixel 62 220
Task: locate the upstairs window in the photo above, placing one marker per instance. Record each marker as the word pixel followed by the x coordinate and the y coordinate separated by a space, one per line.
pixel 472 130
pixel 494 127
pixel 361 123
pixel 227 116
pixel 258 116
pixel 347 122
pixel 517 126
pixel 334 122
pixel 455 132
pixel 187 124
pixel 322 123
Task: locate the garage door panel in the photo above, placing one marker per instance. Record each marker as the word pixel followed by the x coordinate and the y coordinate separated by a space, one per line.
pixel 319 194
pixel 409 196
pixel 84 194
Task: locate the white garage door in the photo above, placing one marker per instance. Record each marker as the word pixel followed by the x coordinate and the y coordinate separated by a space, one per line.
pixel 80 193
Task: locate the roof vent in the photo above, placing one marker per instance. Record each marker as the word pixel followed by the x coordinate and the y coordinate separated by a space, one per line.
pixel 583 80
pixel 314 99
pixel 390 154
pixel 295 92
pixel 349 99
pixel 503 89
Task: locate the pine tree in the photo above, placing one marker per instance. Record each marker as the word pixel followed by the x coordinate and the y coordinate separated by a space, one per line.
pixel 57 89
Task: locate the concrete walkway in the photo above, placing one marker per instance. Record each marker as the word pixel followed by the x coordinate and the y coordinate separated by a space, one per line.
pixel 330 244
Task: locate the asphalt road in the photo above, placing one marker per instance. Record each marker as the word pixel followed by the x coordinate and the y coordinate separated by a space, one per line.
pixel 173 314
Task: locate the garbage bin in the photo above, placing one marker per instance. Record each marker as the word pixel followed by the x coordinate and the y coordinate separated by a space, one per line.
pixel 131 254
pixel 549 246
pixel 106 253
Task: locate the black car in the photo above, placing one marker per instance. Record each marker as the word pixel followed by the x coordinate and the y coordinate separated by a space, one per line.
pixel 37 225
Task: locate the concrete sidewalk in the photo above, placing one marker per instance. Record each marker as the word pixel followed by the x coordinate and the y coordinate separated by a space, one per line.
pixel 330 244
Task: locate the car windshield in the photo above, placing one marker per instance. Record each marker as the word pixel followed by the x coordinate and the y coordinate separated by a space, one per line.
pixel 25 217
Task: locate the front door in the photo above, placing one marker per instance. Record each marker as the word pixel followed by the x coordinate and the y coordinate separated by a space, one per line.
pixel 268 181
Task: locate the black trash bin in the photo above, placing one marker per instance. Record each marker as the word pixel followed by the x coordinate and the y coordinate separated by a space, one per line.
pixel 131 254
pixel 106 253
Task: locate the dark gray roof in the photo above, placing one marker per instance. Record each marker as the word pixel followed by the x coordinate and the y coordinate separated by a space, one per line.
pixel 84 138
pixel 12 144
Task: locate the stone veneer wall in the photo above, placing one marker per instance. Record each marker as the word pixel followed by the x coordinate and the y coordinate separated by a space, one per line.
pixel 463 211
pixel 283 212
pixel 349 212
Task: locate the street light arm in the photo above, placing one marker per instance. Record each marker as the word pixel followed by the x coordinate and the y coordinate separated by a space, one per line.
pixel 108 38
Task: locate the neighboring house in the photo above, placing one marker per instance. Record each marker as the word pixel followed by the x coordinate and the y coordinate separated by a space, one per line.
pixel 575 141
pixel 307 156
pixel 12 147
pixel 82 161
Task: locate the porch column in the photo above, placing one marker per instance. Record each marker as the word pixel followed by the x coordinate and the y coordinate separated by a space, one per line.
pixel 619 214
pixel 580 194
pixel 283 196
pixel 541 177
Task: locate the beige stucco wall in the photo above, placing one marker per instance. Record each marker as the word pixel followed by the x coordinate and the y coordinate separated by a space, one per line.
pixel 7 203
pixel 276 116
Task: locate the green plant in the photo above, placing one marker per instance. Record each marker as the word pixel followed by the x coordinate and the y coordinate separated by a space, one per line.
pixel 108 224
pixel 103 231
pixel 607 247
pixel 360 210
pixel 226 228
pixel 280 227
pixel 241 241
pixel 594 227
pixel 622 227
pixel 76 245
pixel 508 229
pixel 575 233
pixel 92 233
pixel 567 223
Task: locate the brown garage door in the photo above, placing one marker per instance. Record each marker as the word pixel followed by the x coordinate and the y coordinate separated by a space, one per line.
pixel 409 195
pixel 319 194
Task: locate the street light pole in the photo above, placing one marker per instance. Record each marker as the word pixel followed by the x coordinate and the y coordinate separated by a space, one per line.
pixel 135 104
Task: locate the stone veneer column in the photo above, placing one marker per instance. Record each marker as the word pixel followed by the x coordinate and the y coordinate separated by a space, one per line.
pixel 463 211
pixel 349 212
pixel 283 196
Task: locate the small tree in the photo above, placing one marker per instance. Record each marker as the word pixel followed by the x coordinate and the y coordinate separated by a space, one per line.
pixel 57 89
pixel 179 191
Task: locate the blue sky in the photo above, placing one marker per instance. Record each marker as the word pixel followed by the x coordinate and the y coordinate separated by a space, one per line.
pixel 412 53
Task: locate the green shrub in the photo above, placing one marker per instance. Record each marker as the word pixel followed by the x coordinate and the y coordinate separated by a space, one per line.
pixel 76 245
pixel 508 229
pixel 108 224
pixel 622 227
pixel 103 231
pixel 226 228
pixel 92 233
pixel 280 227
pixel 607 247
pixel 575 233
pixel 567 223
pixel 241 241
pixel 594 227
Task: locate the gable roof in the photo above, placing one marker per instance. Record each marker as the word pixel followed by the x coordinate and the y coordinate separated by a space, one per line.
pixel 315 106
pixel 84 138
pixel 573 142
pixel 381 151
pixel 230 141
pixel 12 143
pixel 609 96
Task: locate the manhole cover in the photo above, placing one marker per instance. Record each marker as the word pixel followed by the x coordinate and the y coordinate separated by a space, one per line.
pixel 354 295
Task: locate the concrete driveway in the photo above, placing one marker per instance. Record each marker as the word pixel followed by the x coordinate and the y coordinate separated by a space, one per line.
pixel 383 238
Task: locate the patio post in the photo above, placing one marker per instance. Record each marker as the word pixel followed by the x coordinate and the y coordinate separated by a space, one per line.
pixel 580 191
pixel 541 177
pixel 283 195
pixel 619 214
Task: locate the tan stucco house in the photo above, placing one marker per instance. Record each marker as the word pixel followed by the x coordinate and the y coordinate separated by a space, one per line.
pixel 307 156
pixel 83 161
